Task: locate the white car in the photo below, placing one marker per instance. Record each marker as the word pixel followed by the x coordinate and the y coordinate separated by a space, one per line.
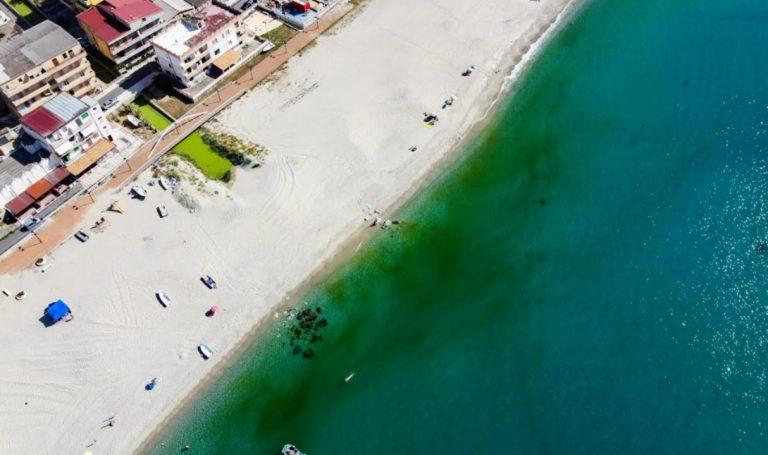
pixel 108 104
pixel 162 211
pixel 29 223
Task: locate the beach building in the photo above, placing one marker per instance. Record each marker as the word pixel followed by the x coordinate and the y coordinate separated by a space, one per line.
pixel 206 40
pixel 41 62
pixel 74 130
pixel 29 180
pixel 121 30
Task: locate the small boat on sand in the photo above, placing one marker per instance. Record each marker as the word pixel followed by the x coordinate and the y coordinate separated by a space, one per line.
pixel 163 183
pixel 164 299
pixel 290 449
pixel 139 191
pixel 162 211
pixel 205 351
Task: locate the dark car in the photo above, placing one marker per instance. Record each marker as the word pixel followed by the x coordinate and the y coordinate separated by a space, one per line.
pixel 208 281
pixel 82 236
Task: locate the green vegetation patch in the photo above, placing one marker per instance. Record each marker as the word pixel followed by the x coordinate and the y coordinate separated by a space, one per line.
pixel 280 35
pixel 150 114
pixel 238 151
pixel 24 10
pixel 196 151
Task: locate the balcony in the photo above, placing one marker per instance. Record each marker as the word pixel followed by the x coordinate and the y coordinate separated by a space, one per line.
pixel 135 36
pixel 138 50
pixel 68 85
pixel 49 72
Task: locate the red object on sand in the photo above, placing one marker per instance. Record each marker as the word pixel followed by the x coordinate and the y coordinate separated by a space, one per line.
pixel 213 311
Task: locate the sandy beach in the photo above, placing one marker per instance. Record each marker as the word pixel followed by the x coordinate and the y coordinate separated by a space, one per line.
pixel 338 122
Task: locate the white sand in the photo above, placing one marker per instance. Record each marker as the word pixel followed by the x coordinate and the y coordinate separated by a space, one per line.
pixel 338 123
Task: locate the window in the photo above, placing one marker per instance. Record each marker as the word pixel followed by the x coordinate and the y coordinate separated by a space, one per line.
pixel 216 52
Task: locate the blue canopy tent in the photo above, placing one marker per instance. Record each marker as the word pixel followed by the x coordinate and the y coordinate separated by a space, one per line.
pixel 57 310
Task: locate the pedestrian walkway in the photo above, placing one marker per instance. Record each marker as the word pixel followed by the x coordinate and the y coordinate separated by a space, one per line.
pixel 68 218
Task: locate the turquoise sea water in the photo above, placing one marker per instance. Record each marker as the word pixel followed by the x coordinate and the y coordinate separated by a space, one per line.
pixel 588 279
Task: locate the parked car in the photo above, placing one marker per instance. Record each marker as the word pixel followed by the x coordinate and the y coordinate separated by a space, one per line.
pixel 29 223
pixel 208 281
pixel 108 104
pixel 82 236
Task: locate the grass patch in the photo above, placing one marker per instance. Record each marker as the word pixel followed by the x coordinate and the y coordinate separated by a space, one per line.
pixel 195 150
pixel 26 11
pixel 104 73
pixel 149 114
pixel 280 35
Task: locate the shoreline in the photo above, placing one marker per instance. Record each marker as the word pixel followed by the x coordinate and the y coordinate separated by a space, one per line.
pixel 501 88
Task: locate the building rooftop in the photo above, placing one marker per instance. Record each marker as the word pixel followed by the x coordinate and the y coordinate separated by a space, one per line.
pixel 54 114
pixel 130 10
pixel 35 46
pixel 193 30
pixel 103 26
pixel 198 3
pixel 101 18
pixel 175 6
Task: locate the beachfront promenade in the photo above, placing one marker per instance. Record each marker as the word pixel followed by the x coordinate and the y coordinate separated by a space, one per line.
pixel 70 217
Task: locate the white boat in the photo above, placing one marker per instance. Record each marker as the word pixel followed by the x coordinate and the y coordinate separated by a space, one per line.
pixel 139 191
pixel 205 351
pixel 162 211
pixel 290 449
pixel 163 183
pixel 164 299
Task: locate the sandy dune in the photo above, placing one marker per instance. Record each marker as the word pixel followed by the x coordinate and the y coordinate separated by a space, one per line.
pixel 338 123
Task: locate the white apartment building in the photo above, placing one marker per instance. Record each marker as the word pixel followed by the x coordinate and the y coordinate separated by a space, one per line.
pixel 208 37
pixel 74 130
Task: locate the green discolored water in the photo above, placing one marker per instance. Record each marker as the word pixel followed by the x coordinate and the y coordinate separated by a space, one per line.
pixel 589 279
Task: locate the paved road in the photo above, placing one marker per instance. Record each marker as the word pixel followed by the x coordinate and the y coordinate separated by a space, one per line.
pixel 123 85
pixel 19 235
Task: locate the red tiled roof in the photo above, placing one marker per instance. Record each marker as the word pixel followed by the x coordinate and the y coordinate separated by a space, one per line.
pixel 42 121
pixel 38 189
pixel 19 203
pixel 105 28
pixel 130 10
pixel 57 175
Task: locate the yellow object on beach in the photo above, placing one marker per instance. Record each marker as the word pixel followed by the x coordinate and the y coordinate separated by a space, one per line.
pixel 116 208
